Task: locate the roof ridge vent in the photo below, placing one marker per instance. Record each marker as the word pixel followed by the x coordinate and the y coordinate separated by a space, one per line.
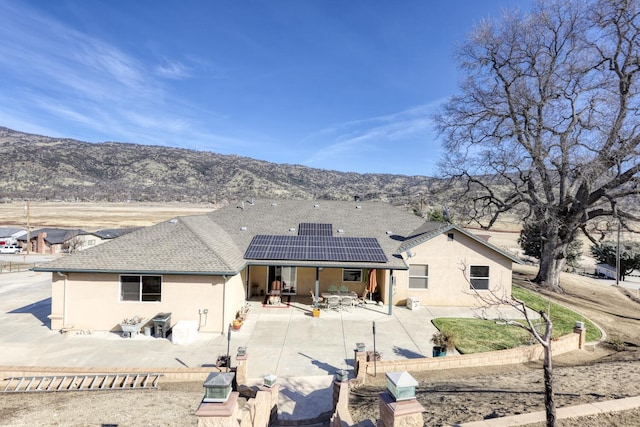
pixel 274 204
pixel 358 207
pixel 173 221
pixel 316 206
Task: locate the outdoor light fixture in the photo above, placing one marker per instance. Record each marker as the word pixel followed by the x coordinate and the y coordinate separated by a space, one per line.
pixel 579 325
pixel 360 346
pixel 401 385
pixel 342 375
pixel 242 351
pixel 269 380
pixel 217 387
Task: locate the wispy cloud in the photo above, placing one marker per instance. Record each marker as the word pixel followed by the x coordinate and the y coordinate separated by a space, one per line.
pixel 59 73
pixel 371 135
pixel 173 70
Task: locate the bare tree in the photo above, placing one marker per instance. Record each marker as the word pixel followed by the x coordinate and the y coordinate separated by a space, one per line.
pixel 547 120
pixel 493 299
pixel 72 245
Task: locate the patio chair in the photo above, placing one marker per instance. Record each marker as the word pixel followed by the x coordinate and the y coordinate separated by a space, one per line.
pixel 333 303
pixel 321 303
pixel 362 299
pixel 344 289
pixel 346 303
pixel 332 288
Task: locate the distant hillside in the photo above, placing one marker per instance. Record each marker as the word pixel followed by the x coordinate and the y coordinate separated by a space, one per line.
pixel 44 168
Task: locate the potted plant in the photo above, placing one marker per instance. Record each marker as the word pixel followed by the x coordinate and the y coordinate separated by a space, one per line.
pixel 442 341
pixel 236 324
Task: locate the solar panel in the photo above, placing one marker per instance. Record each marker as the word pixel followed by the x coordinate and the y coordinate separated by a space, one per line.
pixel 314 229
pixel 315 248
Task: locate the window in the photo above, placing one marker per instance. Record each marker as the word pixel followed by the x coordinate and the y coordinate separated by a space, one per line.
pixel 140 288
pixel 352 275
pixel 418 276
pixel 479 276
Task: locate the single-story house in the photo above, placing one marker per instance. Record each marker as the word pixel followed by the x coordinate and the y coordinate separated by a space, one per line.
pixel 204 267
pixel 10 235
pixel 52 240
pixel 63 240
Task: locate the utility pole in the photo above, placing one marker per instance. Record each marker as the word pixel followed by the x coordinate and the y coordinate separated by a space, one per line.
pixel 27 207
pixel 615 215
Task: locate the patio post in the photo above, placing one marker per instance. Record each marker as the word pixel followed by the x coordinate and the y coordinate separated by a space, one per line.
pixel 315 303
pixel 391 280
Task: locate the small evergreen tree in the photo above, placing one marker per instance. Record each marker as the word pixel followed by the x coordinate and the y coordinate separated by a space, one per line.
pixel 605 253
pixel 532 244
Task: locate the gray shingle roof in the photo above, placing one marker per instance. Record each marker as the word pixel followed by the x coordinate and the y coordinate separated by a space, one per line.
pixel 429 230
pixel 112 233
pixel 55 236
pixel 186 245
pixel 215 243
pixel 10 231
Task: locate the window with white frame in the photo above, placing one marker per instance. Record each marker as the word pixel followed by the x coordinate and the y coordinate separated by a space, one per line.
pixel 352 275
pixel 140 288
pixel 479 277
pixel 418 276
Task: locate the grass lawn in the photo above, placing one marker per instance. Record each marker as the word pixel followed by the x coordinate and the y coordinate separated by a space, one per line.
pixel 477 335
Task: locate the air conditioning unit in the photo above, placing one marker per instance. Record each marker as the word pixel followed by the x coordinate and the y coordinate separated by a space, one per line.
pixel 413 303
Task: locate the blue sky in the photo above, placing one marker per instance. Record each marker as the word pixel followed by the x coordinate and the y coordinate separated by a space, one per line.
pixel 341 85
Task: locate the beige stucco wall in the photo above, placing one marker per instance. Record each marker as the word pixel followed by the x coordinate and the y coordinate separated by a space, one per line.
pixel 306 280
pixel 448 283
pixel 93 301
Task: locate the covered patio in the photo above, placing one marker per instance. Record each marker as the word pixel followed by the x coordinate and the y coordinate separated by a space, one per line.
pixel 314 285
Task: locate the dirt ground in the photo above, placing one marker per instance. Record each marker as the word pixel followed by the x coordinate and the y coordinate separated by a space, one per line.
pixel 465 395
pixel 449 397
pixel 94 216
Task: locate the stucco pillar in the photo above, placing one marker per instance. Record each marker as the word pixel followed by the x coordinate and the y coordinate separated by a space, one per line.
pixel 214 414
pixel 405 413
pixel 242 368
pixel 340 390
pixel 274 391
pixel 360 365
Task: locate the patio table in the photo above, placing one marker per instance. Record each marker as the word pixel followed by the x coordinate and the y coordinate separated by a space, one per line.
pixel 339 294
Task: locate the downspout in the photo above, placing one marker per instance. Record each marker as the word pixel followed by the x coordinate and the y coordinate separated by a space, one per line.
pixel 224 301
pixel 64 299
pixel 391 280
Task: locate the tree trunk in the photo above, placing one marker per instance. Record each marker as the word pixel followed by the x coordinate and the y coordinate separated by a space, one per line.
pixel 550 268
pixel 549 402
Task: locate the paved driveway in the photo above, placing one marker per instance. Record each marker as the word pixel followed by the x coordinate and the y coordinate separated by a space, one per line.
pixel 285 341
pixel 304 352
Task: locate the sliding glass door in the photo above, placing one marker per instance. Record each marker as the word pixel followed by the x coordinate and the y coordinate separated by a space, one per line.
pixel 286 275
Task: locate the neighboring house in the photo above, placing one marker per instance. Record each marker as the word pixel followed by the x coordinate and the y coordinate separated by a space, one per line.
pixel 10 236
pixel 54 240
pixel 203 267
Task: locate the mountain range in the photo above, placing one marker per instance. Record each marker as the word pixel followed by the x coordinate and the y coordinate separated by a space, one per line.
pixel 45 168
